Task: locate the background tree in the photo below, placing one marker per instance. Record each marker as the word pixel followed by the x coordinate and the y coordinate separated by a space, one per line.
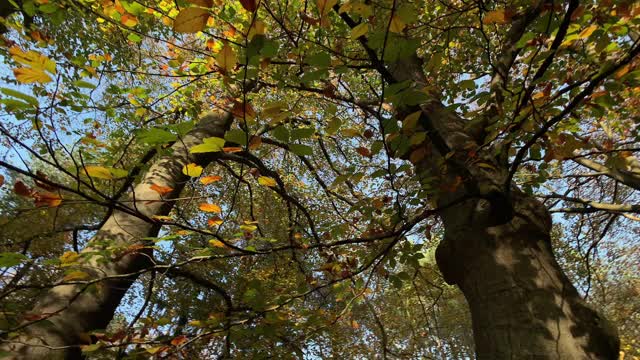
pixel 272 179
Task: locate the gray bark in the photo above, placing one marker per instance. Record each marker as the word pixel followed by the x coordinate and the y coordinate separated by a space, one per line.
pixel 72 310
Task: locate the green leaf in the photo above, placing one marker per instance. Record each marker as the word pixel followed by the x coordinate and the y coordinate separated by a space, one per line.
pixel 300 149
pixel 17 94
pixel 320 59
pixel 237 136
pixel 281 133
pixel 302 133
pixel 9 259
pixel 212 144
pixel 156 136
pixel 84 84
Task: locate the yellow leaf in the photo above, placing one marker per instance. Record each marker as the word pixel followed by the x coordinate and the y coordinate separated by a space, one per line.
pixel 216 243
pixel 249 228
pixel 410 122
pixel 210 208
pixel 258 28
pixel 33 59
pixel 69 257
pixel 359 30
pixel 397 25
pixel 267 181
pixel 227 58
pixel 203 3
pixel 193 170
pixel 31 75
pixel 162 217
pixel 129 20
pixel 499 16
pixel 205 180
pixel 101 172
pixel 324 6
pixel 587 32
pixel 214 221
pixel 75 275
pixel 211 144
pixel 191 20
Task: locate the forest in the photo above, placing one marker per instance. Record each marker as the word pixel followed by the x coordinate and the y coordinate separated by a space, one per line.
pixel 320 179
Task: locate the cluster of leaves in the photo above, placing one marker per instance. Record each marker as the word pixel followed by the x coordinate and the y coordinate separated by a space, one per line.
pixel 310 234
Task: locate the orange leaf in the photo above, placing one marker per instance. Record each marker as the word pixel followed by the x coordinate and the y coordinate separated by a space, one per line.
pixel 499 16
pixel 205 180
pixel 177 341
pixel 232 149
pixel 30 75
pixel 210 208
pixel 191 20
pixel 255 142
pixel 1 180
pixel 47 199
pixel 214 221
pixel 162 190
pixel 242 110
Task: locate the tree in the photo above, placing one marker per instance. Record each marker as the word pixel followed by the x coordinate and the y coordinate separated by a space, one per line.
pixel 261 171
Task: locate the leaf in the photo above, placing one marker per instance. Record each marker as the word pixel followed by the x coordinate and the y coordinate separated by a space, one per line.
pixel 397 25
pixel 226 59
pixel 203 3
pixel 206 207
pixel 267 181
pixel 325 6
pixel 17 94
pixel 191 20
pixel 363 151
pixel 75 275
pixel 212 144
pixel 359 30
pixel 69 257
pixel 205 180
pixel 31 75
pixel 162 190
pixel 411 122
pixel 216 243
pixel 47 199
pixel 32 59
pixel 21 189
pixel 587 32
pixel 101 172
pixel 129 20
pixel 90 348
pixel 214 221
pixel 237 136
pixel 162 218
pixel 1 180
pixel 177 341
pixel 499 16
pixel 156 136
pixel 248 227
pixel 249 5
pixel 193 170
pixel 9 259
pixel 301 150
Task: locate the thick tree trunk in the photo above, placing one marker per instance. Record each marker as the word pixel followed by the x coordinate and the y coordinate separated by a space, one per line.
pixel 71 311
pixel 522 304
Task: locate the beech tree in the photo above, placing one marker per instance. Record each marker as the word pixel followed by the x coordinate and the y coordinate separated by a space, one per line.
pixel 281 178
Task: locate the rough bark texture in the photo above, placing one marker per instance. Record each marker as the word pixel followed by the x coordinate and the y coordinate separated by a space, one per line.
pixel 74 309
pixel 522 304
pixel 497 248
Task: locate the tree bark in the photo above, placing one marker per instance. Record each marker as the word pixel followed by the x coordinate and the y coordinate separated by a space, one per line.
pixel 497 246
pixel 522 304
pixel 71 311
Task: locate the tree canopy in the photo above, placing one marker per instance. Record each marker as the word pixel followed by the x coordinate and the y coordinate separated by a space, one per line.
pixel 316 179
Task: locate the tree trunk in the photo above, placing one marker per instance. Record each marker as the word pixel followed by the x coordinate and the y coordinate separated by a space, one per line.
pixel 71 311
pixel 522 304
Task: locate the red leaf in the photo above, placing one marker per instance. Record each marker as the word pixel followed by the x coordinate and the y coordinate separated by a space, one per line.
pixel 21 189
pixel 249 5
pixel 364 151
